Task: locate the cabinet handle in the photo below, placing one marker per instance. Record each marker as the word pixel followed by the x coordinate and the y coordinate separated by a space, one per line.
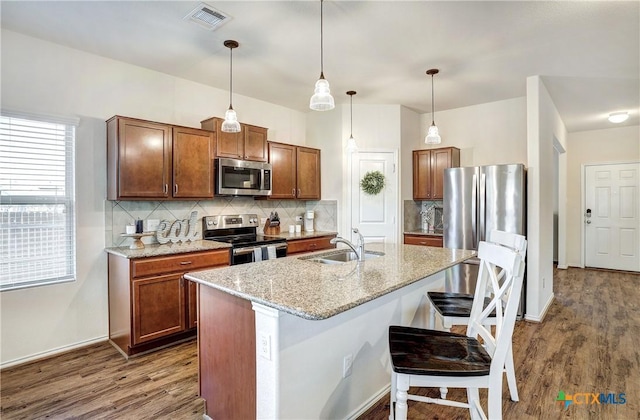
pixel 423 243
pixel 313 246
pixel 175 189
pixel 298 192
pixel 185 262
pixel 166 188
pixel 293 192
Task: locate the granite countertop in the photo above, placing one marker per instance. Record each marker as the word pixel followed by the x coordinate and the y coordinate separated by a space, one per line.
pixel 317 291
pixel 437 232
pixel 155 250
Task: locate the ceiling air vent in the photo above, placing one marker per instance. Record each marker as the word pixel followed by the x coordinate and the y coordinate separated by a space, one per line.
pixel 207 17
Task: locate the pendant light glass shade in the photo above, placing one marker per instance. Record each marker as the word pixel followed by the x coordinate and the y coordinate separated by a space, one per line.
pixel 230 124
pixel 351 142
pixel 322 99
pixel 433 137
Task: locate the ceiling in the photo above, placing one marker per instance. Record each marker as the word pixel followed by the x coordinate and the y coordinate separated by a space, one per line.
pixel 587 52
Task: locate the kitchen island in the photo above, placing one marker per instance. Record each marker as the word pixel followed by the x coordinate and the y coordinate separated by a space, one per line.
pixel 294 338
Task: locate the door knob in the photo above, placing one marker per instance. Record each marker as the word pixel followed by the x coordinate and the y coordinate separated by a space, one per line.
pixel 588 221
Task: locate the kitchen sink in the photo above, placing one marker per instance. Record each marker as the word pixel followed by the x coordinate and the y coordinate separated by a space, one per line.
pixel 341 256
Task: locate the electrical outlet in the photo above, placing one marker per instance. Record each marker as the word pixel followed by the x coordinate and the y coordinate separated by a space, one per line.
pixel 298 218
pixel 152 225
pixel 347 365
pixel 265 346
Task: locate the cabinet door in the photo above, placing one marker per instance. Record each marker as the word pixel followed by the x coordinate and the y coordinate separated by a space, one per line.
pixel 158 307
pixel 283 174
pixel 255 143
pixel 440 160
pixel 421 174
pixel 192 163
pixel 308 173
pixel 144 159
pixel 229 145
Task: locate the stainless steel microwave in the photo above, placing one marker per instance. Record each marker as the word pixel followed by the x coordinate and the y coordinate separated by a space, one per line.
pixel 242 177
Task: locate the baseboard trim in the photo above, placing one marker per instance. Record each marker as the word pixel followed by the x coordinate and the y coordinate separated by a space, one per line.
pixel 563 267
pixel 540 318
pixel 369 403
pixel 52 352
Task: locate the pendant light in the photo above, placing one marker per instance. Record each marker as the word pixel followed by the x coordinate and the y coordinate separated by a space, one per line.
pixel 432 135
pixel 351 143
pixel 322 99
pixel 230 124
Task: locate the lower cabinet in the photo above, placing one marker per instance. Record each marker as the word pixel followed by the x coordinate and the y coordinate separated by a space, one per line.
pixel 150 303
pixel 296 246
pixel 424 240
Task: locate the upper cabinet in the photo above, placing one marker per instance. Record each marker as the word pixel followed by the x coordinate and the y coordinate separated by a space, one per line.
pixel 295 172
pixel 428 171
pixel 154 161
pixel 249 144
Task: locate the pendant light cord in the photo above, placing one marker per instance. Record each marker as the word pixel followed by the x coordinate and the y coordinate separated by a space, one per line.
pixel 433 121
pixel 231 76
pixel 351 112
pixel 321 41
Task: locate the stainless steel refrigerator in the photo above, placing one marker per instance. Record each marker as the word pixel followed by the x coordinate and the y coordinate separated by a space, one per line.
pixel 477 200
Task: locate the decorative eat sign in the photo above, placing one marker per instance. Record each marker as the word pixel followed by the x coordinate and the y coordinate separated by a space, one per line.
pixel 178 231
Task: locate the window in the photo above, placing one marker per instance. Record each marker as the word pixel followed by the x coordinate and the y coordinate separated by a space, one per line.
pixel 37 198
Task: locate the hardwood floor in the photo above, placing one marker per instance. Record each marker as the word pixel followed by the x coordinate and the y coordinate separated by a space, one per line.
pixel 587 344
pixel 96 382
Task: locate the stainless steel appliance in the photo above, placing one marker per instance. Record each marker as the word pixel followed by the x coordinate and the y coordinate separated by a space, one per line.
pixel 477 200
pixel 241 231
pixel 242 177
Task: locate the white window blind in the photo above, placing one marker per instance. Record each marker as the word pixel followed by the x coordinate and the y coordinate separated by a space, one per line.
pixel 37 200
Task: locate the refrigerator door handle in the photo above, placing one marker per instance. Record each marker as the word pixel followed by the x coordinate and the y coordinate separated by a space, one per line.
pixel 474 210
pixel 482 235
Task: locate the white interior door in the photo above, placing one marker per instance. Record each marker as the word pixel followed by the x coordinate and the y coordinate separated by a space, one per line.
pixel 375 215
pixel 612 222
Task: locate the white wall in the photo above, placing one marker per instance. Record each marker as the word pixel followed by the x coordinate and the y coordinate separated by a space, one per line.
pixel 42 77
pixel 614 145
pixel 544 126
pixel 486 134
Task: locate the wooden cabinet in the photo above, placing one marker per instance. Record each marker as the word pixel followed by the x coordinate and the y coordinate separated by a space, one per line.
pixel 154 161
pixel 249 144
pixel 428 171
pixel 296 246
pixel 150 302
pixel 295 172
pixel 424 240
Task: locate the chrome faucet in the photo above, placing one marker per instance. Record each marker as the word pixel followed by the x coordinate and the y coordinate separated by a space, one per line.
pixel 358 249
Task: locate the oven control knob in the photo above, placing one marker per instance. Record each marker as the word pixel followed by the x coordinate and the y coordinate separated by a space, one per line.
pixel 209 222
pixel 252 220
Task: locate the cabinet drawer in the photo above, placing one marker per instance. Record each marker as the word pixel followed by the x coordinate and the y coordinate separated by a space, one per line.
pixel 424 240
pixel 178 263
pixel 309 245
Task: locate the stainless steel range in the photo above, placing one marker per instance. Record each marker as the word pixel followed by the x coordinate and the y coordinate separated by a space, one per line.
pixel 241 231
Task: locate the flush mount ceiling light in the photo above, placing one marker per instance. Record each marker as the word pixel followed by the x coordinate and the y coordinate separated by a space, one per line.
pixel 351 143
pixel 321 99
pixel 432 135
pixel 230 124
pixel 618 117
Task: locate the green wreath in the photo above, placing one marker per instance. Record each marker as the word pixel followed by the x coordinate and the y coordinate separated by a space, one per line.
pixel 372 182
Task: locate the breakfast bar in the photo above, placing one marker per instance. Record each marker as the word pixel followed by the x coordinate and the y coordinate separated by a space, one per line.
pixel 306 336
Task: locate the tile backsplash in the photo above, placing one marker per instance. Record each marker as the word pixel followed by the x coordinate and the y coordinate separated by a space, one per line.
pixel 120 213
pixel 413 214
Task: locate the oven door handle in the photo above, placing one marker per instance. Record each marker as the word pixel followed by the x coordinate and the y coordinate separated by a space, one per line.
pixel 249 249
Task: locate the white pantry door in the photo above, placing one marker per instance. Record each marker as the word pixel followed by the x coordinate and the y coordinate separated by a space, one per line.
pixel 612 222
pixel 375 215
